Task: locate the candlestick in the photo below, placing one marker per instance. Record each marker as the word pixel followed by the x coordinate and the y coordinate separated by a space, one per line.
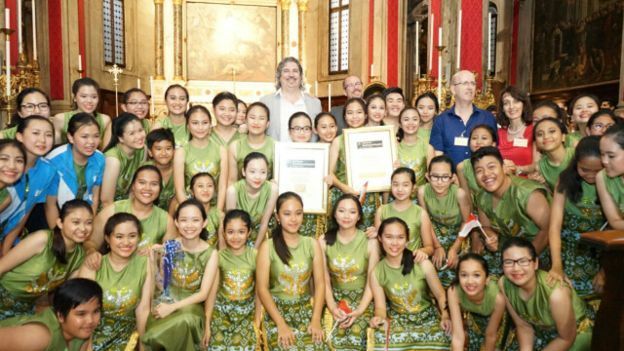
pixel 329 95
pixel 417 44
pixel 20 46
pixel 430 44
pixel 459 39
pixel 34 28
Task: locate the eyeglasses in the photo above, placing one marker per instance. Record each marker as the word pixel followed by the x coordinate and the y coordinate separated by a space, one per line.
pixel 301 129
pixel 42 106
pixel 440 178
pixel 135 103
pixel 467 84
pixel 601 126
pixel 522 262
pixel 353 85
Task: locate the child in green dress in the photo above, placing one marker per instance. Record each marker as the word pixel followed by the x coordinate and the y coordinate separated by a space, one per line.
pixel 325 127
pixel 549 136
pixel 448 207
pixel 126 279
pixel 375 110
pixel 287 264
pixel 610 181
pixel 547 316
pixel 67 325
pixel 160 148
pixel 480 136
pixel 225 107
pixel 177 101
pixel 136 101
pixel 428 108
pixel 413 151
pixel 255 195
pixel 233 309
pixel 475 301
pixel 411 321
pixel 30 101
pixel 349 257
pixel 581 108
pixel 202 190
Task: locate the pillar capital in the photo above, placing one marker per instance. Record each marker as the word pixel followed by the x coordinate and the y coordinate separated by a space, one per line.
pixel 285 4
pixel 302 5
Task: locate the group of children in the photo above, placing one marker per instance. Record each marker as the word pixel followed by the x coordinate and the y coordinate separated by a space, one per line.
pixel 191 245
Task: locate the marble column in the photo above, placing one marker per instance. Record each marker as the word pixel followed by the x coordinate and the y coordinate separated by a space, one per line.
pixel 285 5
pixel 302 6
pixel 177 41
pixel 159 39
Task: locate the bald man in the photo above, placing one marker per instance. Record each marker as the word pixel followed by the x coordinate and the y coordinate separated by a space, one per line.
pixel 451 129
pixel 353 87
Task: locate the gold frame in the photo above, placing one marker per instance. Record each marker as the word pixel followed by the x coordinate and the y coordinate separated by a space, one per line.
pixel 292 148
pixel 391 137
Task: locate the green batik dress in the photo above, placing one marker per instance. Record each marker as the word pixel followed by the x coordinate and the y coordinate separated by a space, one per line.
pixel 412 216
pixel 290 288
pixel 202 160
pixel 446 219
pixel 573 138
pixel 255 206
pixel 414 157
pixel 180 132
pixel 581 262
pixel 183 329
pixel 414 320
pixel 551 172
pixel 243 149
pixel 424 134
pixel 314 225
pixel 232 326
pixel 215 137
pixel 477 316
pixel 154 227
pixel 40 274
pixel 536 311
pixel 214 221
pixel 122 294
pixel 127 167
pixel 347 265
pixel 471 179
pixel 615 187
pixel 47 318
pixel 371 201
pixel 509 218
pixel 67 117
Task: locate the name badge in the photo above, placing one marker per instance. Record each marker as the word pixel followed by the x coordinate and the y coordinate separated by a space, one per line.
pixel 461 141
pixel 520 142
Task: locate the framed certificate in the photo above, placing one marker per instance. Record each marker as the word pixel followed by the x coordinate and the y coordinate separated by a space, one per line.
pixel 370 153
pixel 301 168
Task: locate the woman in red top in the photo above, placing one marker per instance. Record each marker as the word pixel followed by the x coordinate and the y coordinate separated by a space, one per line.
pixel 515 140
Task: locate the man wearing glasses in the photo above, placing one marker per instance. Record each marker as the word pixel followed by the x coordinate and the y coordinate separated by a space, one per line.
pixel 353 88
pixel 451 129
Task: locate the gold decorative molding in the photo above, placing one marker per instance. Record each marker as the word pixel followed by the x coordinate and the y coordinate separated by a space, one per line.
pixel 302 6
pixel 177 40
pixel 159 39
pixel 285 5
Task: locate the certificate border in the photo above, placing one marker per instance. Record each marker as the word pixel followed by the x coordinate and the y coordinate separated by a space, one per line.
pixel 325 167
pixel 393 149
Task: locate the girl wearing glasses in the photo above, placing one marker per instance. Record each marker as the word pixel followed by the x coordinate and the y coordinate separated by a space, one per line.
pixel 86 99
pixel 547 316
pixel 177 101
pixel 610 181
pixel 30 101
pixel 412 150
pixel 135 101
pixel 602 120
pixel 448 206
pixel 420 232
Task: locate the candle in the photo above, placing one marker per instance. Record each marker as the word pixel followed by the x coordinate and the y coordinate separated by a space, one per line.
pixel 417 44
pixel 34 25
pixel 7 52
pixel 80 63
pixel 20 45
pixel 430 44
pixel 7 18
pixel 459 31
pixel 329 97
pixel 440 36
pixel 316 88
pixel 440 64
pixel 372 70
pixel 489 46
pixel 139 83
pixel 152 96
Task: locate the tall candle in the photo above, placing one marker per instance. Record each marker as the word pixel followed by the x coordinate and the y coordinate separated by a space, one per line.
pixel 489 46
pixel 80 63
pixel 417 44
pixel 34 26
pixel 7 52
pixel 139 83
pixel 329 94
pixel 440 64
pixel 430 44
pixel 459 38
pixel 20 46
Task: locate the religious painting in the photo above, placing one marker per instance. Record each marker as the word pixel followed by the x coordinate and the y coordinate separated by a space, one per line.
pixel 231 42
pixel 576 43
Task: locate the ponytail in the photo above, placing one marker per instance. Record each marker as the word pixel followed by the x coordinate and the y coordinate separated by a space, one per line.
pixel 279 244
pixel 407 261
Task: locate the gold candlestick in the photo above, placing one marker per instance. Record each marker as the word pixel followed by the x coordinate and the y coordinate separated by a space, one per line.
pixel 115 71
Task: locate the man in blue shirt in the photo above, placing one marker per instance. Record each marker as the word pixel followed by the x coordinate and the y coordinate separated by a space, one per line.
pixel 451 129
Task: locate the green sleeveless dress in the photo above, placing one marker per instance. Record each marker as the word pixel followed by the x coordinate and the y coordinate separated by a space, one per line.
pixel 214 221
pixel 372 200
pixel 347 265
pixel 202 160
pixel 509 218
pixel 581 262
pixel 182 330
pixel 572 138
pixel 47 318
pixel 414 157
pixel 536 311
pixel 551 172
pixel 219 140
pixel 167 192
pixel 411 216
pixel 446 219
pixel 477 316
pixel 154 227
pixel 290 287
pixel 471 179
pixel 9 133
pixel 254 206
pixel 122 293
pixel 36 277
pixel 424 134
pixel 243 149
pixel 180 132
pixel 127 168
pixel 615 187
pixel 414 320
pixel 232 325
pixel 67 117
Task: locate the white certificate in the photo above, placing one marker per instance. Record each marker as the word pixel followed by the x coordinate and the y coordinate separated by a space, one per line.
pixel 370 154
pixel 301 168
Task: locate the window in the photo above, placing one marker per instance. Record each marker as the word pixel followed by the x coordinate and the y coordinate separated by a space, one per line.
pixel 492 29
pixel 338 36
pixel 114 38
